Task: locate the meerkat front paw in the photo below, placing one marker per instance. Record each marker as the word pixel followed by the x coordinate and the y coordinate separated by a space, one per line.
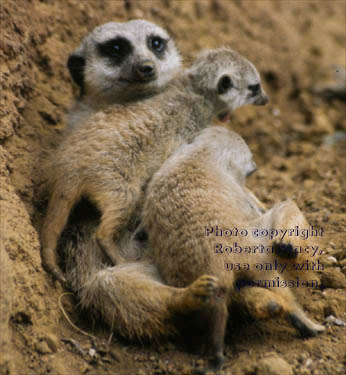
pixel 201 291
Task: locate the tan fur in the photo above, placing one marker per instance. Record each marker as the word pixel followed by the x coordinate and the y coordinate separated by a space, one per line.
pixel 114 154
pixel 135 303
pixel 202 185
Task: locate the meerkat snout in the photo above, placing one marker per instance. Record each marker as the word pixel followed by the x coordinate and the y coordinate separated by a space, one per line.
pixel 145 70
pixel 252 169
pixel 259 95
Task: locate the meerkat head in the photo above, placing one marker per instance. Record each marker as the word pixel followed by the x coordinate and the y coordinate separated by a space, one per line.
pixel 118 62
pixel 228 78
pixel 228 151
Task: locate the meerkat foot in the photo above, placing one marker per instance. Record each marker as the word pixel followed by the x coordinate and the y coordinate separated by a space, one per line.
pixel 49 264
pixel 197 296
pixel 261 303
pixel 201 291
pixel 303 324
pixel 216 362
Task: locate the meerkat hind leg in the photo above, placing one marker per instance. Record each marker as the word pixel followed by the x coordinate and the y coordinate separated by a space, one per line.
pixel 303 324
pixel 259 302
pixel 206 292
pixel 295 315
pixel 264 303
pixel 282 301
pixel 59 208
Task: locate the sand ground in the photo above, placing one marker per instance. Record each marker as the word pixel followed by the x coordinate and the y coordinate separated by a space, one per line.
pixel 298 141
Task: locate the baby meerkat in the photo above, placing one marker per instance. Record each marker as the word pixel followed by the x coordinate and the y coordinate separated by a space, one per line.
pixel 202 186
pixel 110 159
pixel 120 62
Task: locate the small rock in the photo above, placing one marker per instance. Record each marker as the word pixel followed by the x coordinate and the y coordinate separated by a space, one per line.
pixel 322 123
pixel 85 368
pixel 332 139
pixel 328 260
pixel 92 352
pixel 331 320
pixel 137 13
pixel 308 362
pixel 303 357
pixel 304 371
pixel 333 278
pixel 273 365
pixel 330 308
pixel 339 254
pixel 42 347
pixel 332 259
pixel 52 341
pixel 276 112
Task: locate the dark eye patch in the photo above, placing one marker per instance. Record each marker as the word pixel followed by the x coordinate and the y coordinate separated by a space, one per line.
pixel 116 49
pixel 225 83
pixel 76 65
pixel 157 44
pixel 255 89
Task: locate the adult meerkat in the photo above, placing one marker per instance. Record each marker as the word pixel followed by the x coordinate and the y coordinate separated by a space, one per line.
pixel 114 154
pixel 201 186
pixel 120 62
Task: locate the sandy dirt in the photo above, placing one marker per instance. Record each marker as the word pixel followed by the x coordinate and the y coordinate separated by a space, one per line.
pixel 299 145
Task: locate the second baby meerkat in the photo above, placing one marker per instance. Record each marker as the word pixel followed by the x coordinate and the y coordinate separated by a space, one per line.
pixel 110 159
pixel 119 62
pixel 201 186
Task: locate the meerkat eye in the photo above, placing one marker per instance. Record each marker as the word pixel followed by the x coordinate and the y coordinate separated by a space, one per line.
pixel 225 83
pixel 157 44
pixel 255 89
pixel 117 49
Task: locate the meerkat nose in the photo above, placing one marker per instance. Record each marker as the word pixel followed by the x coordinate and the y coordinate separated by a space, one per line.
pixel 252 170
pixel 263 99
pixel 145 70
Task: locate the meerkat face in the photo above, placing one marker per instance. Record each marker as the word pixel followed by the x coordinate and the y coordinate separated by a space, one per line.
pixel 230 78
pixel 120 61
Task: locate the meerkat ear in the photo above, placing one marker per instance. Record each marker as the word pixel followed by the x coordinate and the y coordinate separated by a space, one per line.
pixel 76 64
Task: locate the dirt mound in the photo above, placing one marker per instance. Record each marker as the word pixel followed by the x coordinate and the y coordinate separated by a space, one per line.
pixel 298 142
